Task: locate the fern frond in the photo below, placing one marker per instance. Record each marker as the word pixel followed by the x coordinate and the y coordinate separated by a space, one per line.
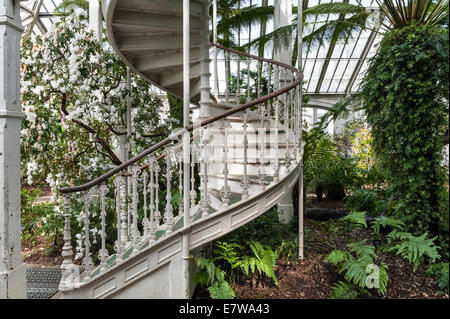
pixel 221 290
pixel 356 218
pixel 337 257
pixel 384 221
pixel 413 248
pixel 343 290
pixel 362 250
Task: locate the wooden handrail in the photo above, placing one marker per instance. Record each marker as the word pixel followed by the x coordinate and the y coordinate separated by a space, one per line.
pixel 190 128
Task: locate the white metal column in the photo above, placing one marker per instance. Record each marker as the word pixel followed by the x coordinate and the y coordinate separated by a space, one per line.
pixel 300 104
pixel 95 18
pixel 283 17
pixel 186 142
pixel 12 268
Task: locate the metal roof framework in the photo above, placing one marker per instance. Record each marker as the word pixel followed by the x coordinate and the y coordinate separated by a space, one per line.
pixel 330 71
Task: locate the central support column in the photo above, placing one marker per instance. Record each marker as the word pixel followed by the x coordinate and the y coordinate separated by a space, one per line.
pixel 282 18
pixel 12 268
pixel 186 144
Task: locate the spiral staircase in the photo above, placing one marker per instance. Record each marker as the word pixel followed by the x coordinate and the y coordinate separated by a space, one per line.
pixel 244 157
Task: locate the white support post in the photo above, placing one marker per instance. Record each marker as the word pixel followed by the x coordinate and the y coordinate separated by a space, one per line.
pixel 283 17
pixel 300 105
pixel 186 143
pixel 129 122
pixel 12 268
pixel 95 18
pixel 205 88
pixel 214 26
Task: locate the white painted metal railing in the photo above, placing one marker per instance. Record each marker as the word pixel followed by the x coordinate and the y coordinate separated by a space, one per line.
pixel 130 201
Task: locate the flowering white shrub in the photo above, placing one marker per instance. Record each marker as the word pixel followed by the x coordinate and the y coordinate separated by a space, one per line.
pixel 74 97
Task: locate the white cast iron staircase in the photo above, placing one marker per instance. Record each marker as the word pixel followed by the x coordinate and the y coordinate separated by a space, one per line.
pixel 245 156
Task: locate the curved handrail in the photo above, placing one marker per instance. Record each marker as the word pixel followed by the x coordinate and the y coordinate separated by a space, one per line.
pixel 209 120
pixel 255 57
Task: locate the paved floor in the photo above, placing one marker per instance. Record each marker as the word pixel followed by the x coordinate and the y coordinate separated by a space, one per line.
pixel 42 282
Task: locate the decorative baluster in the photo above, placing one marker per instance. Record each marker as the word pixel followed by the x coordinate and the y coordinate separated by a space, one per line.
pixel 258 82
pixel 276 159
pixel 135 234
pixel 127 202
pixel 123 210
pixel 119 245
pixel 103 254
pixel 227 76
pixel 245 184
pixel 225 192
pixel 262 136
pixel 294 102
pixel 248 80
pixel 156 220
pixel 180 181
pixel 238 79
pixel 168 216
pixel 193 192
pixel 145 220
pixel 67 266
pixel 205 202
pixel 286 124
pixel 87 260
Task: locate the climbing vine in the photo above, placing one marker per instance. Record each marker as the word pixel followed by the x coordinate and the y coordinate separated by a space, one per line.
pixel 405 95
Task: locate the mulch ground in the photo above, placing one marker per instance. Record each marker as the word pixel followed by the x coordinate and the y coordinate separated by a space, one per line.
pixel 310 278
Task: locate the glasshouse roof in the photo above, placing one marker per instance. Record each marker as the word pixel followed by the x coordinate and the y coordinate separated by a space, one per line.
pixel 328 69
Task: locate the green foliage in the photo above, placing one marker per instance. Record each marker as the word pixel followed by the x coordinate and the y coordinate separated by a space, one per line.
pixel 364 200
pixel 384 222
pixel 358 218
pixel 288 250
pixel 265 229
pixel 211 271
pixel 214 277
pixel 405 13
pixel 412 248
pixel 405 96
pixel 354 264
pixel 325 168
pixel 221 290
pixel 264 260
pixel 440 272
pixel 343 290
pixel 41 220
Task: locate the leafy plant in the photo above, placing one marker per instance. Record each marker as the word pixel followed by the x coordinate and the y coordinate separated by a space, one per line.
pixel 412 248
pixel 214 277
pixel 288 250
pixel 405 96
pixel 354 264
pixel 440 272
pixel 212 274
pixel 343 290
pixel 264 260
pixel 39 220
pixel 358 218
pixel 221 290
pixel 363 200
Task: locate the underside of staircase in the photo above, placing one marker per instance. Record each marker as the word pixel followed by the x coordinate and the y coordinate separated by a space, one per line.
pixel 247 156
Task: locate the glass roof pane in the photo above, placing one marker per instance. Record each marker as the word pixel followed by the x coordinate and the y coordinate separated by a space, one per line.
pixel 343 59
